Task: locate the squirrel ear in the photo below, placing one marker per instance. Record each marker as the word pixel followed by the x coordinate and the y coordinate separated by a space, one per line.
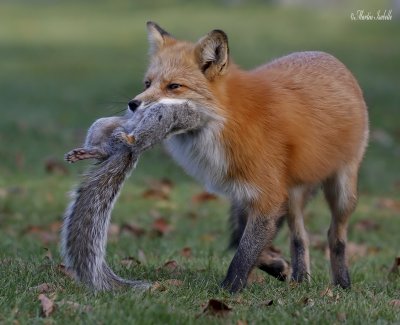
pixel 212 53
pixel 157 36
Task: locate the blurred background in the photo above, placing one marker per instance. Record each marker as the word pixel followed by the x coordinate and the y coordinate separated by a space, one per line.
pixel 64 64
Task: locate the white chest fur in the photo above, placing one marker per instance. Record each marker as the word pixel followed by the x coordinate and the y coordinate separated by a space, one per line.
pixel 202 155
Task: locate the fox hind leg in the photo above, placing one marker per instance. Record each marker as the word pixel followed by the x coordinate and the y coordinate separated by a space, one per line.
pixel 341 193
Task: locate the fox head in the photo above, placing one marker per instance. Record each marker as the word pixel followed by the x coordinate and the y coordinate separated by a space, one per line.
pixel 182 71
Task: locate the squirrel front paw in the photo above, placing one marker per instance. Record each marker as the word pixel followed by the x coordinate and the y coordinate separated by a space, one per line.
pixel 124 137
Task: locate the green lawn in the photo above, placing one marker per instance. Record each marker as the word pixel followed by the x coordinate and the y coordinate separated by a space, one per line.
pixel 64 64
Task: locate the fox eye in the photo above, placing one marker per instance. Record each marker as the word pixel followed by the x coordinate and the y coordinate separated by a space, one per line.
pixel 173 86
pixel 147 84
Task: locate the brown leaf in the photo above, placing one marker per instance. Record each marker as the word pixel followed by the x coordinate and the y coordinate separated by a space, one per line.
pixel 174 282
pixel 395 269
pixel 55 166
pixel 186 252
pixel 133 229
pixel 158 286
pixel 241 322
pixel 155 194
pixel 266 303
pixel 395 303
pixel 327 293
pixel 390 204
pixel 65 271
pixel 43 288
pixel 161 226
pixel 48 254
pixel 305 301
pixel 171 266
pixel 130 261
pixel 203 197
pixel 366 225
pixel 216 307
pixel 45 235
pixel 47 305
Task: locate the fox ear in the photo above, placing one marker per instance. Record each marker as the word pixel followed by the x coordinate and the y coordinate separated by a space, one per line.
pixel 212 53
pixel 158 37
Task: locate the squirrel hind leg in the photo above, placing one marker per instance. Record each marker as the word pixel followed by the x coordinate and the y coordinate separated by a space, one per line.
pixel 85 153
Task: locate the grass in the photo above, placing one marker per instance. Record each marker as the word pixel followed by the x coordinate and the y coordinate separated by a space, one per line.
pixel 64 64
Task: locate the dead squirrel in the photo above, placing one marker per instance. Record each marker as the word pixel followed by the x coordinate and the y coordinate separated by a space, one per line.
pixel 116 143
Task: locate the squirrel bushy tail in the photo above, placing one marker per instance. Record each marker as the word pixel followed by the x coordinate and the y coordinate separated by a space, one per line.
pixel 86 221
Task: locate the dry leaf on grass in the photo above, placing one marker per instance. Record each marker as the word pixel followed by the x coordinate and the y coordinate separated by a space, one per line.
pixel 266 303
pixel 216 307
pixel 174 282
pixel 327 293
pixel 133 229
pixel 241 322
pixel 43 288
pixel 161 226
pixel 171 266
pixel 159 190
pixel 395 303
pixel 395 269
pixel 186 252
pixel 130 261
pixel 305 301
pixel 65 271
pixel 204 197
pixel 47 305
pixel 390 204
pixel 366 225
pixel 55 166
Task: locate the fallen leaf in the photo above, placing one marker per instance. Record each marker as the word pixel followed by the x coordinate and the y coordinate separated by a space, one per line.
pixel 241 322
pixel 55 166
pixel 45 235
pixel 48 254
pixel 47 305
pixel 366 225
pixel 186 252
pixel 171 266
pixel 390 204
pixel 65 271
pixel 395 269
pixel 305 301
pixel 43 288
pixel 130 261
pixel 327 293
pixel 155 194
pixel 203 197
pixel 216 307
pixel 395 303
pixel 174 282
pixel 161 226
pixel 133 229
pixel 158 286
pixel 75 306
pixel 266 303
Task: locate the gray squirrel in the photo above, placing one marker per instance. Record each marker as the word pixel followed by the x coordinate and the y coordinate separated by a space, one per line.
pixel 117 143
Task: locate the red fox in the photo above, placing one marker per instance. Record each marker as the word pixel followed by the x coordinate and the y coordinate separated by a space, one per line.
pixel 271 135
pixel 265 138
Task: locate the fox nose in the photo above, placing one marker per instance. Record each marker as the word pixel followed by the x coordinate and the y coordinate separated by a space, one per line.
pixel 134 104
